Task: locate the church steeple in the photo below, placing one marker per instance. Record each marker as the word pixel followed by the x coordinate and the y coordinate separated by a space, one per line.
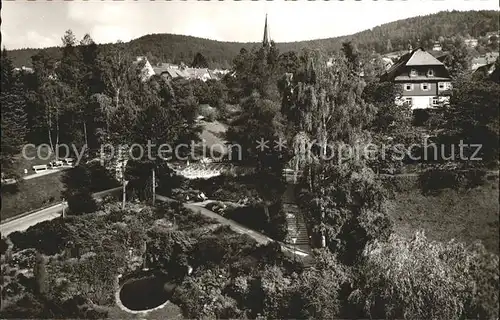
pixel 267 39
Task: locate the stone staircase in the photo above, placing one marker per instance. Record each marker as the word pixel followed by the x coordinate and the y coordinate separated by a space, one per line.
pixel 296 227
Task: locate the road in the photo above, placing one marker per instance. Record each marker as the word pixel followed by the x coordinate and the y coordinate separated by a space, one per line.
pixel 257 236
pixel 23 223
pixel 44 173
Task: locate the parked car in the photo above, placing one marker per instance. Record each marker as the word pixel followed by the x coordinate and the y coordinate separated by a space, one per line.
pixel 56 163
pixel 68 161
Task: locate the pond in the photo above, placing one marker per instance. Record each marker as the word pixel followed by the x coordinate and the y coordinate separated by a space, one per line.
pixel 147 291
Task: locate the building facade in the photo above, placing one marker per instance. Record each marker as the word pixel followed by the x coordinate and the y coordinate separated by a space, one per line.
pixel 424 80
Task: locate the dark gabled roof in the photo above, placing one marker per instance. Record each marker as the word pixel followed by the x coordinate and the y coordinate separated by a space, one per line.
pixel 395 67
pixel 489 70
pixel 417 57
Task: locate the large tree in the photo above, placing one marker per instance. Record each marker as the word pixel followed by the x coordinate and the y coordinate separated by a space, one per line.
pixel 13 115
pixel 326 111
pixel 258 70
pixel 166 118
pixel 199 61
pixel 458 59
pixel 346 207
pixel 472 118
pixel 325 105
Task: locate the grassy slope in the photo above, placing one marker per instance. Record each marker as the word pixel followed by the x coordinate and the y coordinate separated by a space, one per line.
pixel 32 194
pixel 463 215
pixel 213 133
pixel 42 155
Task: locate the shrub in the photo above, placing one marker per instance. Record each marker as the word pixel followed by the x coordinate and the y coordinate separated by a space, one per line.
pixel 434 180
pixel 420 279
pixel 48 237
pixel 3 246
pixel 26 307
pixel 270 220
pixel 208 112
pixel 224 113
pixel 100 177
pixel 221 248
pixel 277 228
pixel 399 183
pixel 81 202
pixel 229 188
pixel 347 208
pixel 184 218
pixel 201 296
pixel 78 184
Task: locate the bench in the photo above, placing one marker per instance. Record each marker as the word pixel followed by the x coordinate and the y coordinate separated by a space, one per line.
pixel 41 167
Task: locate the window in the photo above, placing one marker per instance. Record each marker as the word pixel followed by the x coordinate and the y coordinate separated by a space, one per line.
pixel 434 101
pixel 444 85
pixel 408 101
pixel 408 86
pixel 430 73
pixel 413 73
pixel 425 86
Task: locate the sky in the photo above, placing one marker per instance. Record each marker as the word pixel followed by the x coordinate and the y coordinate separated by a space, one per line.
pixel 38 24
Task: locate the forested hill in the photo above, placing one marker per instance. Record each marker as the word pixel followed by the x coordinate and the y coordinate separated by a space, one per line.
pixel 388 37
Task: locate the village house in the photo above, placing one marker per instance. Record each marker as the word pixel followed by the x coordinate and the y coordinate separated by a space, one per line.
pixel 484 60
pixel 147 70
pixel 171 71
pixel 471 42
pixel 23 69
pixel 437 46
pixel 489 71
pixel 492 36
pixel 424 79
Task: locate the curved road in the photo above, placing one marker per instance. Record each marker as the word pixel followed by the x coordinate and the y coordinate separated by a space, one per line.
pixel 257 236
pixel 23 223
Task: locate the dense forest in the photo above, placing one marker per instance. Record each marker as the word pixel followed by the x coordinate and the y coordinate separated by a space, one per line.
pixel 345 132
pixel 394 36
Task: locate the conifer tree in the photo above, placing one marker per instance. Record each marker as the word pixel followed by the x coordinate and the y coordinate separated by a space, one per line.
pixel 13 115
pixel 40 273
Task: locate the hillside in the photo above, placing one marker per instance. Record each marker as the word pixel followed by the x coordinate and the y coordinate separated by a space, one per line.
pixel 176 48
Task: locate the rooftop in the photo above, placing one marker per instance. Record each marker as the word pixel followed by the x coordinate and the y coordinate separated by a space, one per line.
pixel 422 58
pixel 417 57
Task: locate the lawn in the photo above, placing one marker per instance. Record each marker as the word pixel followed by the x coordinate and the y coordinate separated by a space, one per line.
pixel 451 214
pixel 31 194
pixel 213 134
pixel 41 155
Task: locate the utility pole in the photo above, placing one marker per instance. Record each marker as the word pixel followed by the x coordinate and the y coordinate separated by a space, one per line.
pixel 64 206
pixel 294 240
pixel 124 193
pixel 154 186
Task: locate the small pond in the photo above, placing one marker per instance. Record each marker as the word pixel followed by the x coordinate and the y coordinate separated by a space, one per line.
pixel 146 291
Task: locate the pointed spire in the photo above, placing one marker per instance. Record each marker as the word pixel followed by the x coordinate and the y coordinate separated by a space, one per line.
pixel 266 40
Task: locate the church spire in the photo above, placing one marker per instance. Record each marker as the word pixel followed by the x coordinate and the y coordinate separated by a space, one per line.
pixel 266 40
